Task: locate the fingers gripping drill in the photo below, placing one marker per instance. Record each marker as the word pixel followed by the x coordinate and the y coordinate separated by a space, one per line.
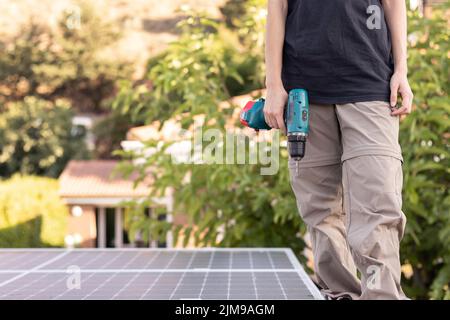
pixel 296 117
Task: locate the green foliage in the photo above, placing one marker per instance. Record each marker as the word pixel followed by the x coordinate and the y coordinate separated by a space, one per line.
pixel 205 66
pixel 136 221
pixel 67 62
pixel 37 137
pixel 229 205
pixel 424 139
pixel 31 213
pixel 247 19
pixel 109 132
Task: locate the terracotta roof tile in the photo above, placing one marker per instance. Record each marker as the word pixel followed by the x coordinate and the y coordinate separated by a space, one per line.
pixel 93 178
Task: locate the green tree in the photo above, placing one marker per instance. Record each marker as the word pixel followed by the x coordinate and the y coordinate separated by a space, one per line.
pixel 66 62
pixel 37 137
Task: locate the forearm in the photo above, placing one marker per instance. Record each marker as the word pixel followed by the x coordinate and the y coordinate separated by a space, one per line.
pixel 275 29
pixel 395 13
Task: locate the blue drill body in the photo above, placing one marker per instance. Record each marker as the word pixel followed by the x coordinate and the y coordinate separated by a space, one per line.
pixel 296 117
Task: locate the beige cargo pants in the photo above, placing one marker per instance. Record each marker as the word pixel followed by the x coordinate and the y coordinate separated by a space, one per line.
pixel 348 190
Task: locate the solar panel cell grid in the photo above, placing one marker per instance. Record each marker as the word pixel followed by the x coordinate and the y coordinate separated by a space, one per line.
pixel 154 274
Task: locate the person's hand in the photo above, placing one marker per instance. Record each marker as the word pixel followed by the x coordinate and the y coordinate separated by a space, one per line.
pixel 276 98
pixel 400 85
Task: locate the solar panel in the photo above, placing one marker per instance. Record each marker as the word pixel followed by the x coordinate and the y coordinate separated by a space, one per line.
pixel 206 273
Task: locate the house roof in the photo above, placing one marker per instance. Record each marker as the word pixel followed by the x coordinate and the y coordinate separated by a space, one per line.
pixel 95 179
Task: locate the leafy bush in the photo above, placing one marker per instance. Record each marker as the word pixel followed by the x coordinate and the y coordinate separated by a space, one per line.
pixel 424 139
pixel 31 213
pixel 37 137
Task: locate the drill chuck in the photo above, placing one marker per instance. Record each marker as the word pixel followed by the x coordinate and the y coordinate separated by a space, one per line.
pixel 297 145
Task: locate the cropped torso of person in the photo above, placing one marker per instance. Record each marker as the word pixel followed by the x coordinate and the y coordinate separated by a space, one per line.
pixel 338 50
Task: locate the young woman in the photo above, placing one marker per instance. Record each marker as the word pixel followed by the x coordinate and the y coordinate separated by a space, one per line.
pixel 350 55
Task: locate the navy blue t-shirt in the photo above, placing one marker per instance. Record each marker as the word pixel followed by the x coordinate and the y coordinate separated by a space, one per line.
pixel 338 50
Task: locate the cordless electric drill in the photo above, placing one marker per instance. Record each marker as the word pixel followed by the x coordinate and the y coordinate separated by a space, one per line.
pixel 296 118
